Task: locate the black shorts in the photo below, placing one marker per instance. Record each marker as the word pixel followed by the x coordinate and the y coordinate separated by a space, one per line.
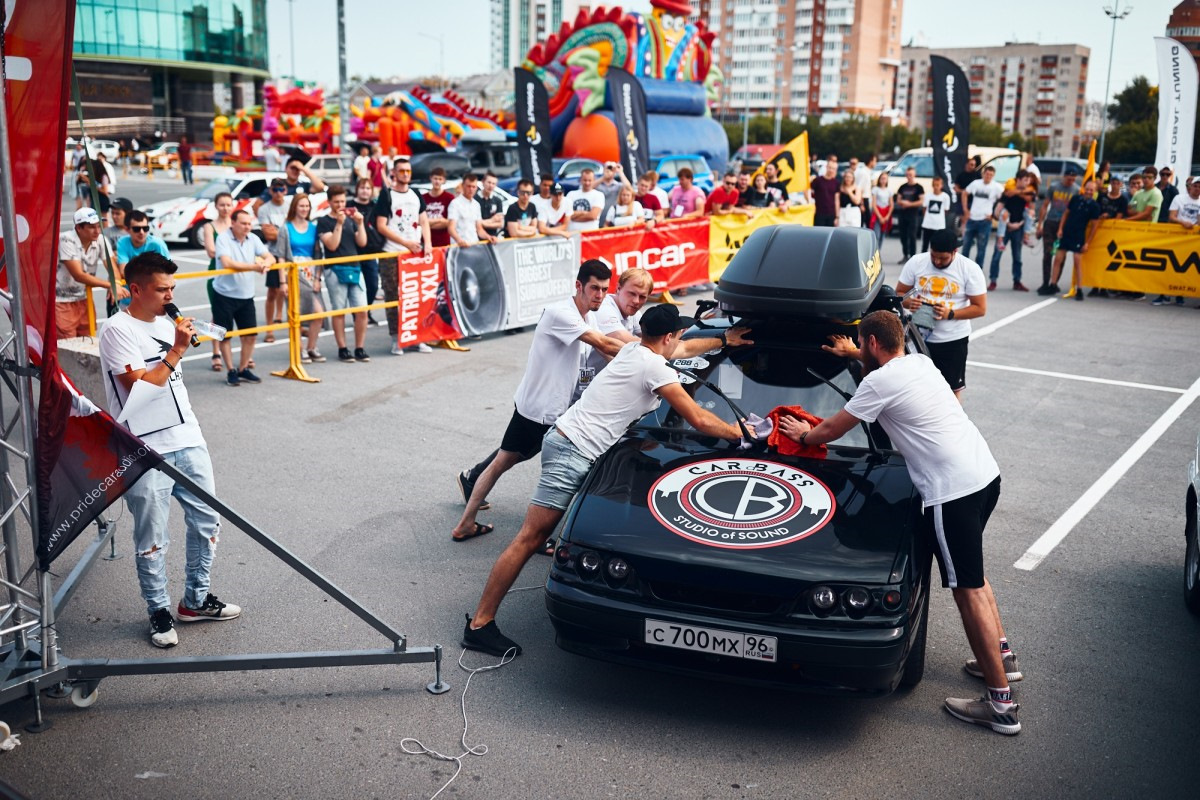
pixel 951 360
pixel 273 279
pixel 956 533
pixel 523 436
pixel 1071 244
pixel 233 313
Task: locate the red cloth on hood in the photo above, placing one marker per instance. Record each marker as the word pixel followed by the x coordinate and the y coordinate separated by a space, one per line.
pixel 786 446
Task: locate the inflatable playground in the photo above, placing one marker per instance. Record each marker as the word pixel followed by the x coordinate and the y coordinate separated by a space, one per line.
pixel 670 57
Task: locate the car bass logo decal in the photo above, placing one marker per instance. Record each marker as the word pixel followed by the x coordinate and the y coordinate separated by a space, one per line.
pixel 741 504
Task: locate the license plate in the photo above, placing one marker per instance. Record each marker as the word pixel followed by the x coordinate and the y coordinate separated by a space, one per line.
pixel 711 640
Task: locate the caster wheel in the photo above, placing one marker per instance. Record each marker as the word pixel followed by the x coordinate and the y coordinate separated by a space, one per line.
pixel 81 700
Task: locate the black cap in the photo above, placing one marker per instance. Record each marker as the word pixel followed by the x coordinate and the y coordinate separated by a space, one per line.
pixel 557 188
pixel 943 241
pixel 123 203
pixel 664 318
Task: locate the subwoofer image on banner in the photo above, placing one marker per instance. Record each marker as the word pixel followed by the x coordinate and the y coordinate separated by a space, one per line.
pixel 477 290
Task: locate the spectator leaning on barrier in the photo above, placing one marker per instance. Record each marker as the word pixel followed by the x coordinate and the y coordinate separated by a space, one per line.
pixel 437 201
pixel 271 217
pixel 466 222
pixel 364 209
pixel 400 219
pixel 141 344
pixel 825 194
pixel 953 286
pixel 491 207
pixel 1055 197
pixel 80 254
pixel 343 232
pixel 138 241
pixel 1169 192
pixel 1010 230
pixel 724 198
pixel 541 200
pixel 552 374
pixel 1114 204
pixel 686 199
pixel 937 208
pixel 909 202
pixel 1184 211
pixel 298 243
pixel 979 204
pixel 555 219
pixel 233 295
pixel 521 219
pixel 761 195
pixel 653 209
pixel 655 189
pixel 626 210
pixel 585 203
pixel 773 182
pixel 1073 235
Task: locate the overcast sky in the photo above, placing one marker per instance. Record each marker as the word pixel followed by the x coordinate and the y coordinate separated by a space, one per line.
pixel 382 38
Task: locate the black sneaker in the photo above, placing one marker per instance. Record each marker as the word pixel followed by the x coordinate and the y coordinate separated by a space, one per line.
pixel 344 354
pixel 488 639
pixel 232 378
pixel 371 320
pixel 1048 290
pixel 361 355
pixel 162 629
pixel 248 376
pixel 212 608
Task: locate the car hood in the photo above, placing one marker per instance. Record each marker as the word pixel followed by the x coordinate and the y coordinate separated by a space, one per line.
pixel 861 536
pixel 156 210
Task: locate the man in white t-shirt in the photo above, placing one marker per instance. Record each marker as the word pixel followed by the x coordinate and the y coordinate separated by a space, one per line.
pixel 401 220
pixel 554 217
pixel 953 288
pixel 466 218
pixel 959 483
pixel 554 367
pixel 541 200
pixel 140 348
pixel 629 388
pixel 936 203
pixel 979 203
pixel 1185 208
pixel 585 204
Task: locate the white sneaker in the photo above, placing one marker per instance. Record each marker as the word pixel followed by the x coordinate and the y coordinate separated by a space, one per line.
pixel 422 348
pixel 212 608
pixel 397 350
pixel 1011 670
pixel 162 629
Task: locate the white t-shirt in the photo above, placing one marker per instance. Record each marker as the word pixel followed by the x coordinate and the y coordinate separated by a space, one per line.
pixel 609 319
pixel 579 200
pixel 130 344
pixel 635 216
pixel 556 362
pixel 70 248
pixel 935 211
pixel 881 197
pixel 554 217
pixel 465 213
pixel 947 456
pixel 862 179
pixel 403 212
pixel 541 204
pixel 983 198
pixel 664 201
pixel 619 396
pixel 1189 209
pixel 361 167
pixel 950 286
pixel 1033 170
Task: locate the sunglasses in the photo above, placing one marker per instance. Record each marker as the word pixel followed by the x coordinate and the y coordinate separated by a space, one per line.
pixel 139 228
pixel 525 191
pixel 278 188
pixel 729 185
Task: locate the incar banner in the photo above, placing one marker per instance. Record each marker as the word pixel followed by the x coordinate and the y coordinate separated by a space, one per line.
pixel 674 253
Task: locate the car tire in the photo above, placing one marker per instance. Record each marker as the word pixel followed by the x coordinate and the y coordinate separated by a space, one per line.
pixel 914 665
pixel 1191 560
pixel 195 237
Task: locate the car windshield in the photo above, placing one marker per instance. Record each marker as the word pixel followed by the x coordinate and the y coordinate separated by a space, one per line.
pixel 762 377
pixel 922 163
pixel 669 169
pixel 210 190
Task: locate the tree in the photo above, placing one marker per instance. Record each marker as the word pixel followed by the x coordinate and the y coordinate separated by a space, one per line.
pixel 1137 102
pixel 1132 143
pixel 985 133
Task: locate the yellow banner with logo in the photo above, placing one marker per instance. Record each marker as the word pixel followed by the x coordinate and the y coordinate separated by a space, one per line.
pixel 1150 257
pixel 726 232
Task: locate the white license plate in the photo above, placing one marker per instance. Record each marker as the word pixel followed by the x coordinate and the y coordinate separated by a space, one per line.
pixel 711 640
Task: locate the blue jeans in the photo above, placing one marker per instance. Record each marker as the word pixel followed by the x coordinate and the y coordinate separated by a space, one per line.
pixel 370 273
pixel 185 168
pixel 149 502
pixel 978 231
pixel 1014 240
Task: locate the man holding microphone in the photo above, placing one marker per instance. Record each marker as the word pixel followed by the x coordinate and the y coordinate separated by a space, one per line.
pixel 141 351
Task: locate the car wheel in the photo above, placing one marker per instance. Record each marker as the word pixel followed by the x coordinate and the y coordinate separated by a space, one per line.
pixel 195 237
pixel 1191 561
pixel 914 665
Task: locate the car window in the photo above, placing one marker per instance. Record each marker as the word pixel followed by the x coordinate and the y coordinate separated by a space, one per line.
pixel 1049 166
pixel 210 190
pixel 922 163
pixel 479 158
pixel 669 169
pixel 253 189
pixel 699 167
pixel 506 157
pixel 1006 166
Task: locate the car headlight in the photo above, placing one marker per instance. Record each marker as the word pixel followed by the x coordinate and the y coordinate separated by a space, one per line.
pixel 589 563
pixel 857 600
pixel 823 598
pixel 618 569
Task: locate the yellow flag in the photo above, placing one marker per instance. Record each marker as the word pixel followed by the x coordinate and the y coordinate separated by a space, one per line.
pixel 1089 174
pixel 792 164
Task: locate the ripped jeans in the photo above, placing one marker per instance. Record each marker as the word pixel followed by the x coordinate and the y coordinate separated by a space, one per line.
pixel 149 502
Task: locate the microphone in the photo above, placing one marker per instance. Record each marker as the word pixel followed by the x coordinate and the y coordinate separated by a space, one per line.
pixel 172 311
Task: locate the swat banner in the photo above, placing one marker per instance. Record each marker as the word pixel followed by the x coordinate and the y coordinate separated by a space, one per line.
pixel 1154 258
pixel 728 231
pixel 674 253
pixel 951 118
pixel 533 125
pixel 425 311
pixel 628 103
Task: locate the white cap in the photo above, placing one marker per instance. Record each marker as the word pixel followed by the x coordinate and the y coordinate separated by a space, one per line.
pixel 87 216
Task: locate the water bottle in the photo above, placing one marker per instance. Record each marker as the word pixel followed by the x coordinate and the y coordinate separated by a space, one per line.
pixel 209 329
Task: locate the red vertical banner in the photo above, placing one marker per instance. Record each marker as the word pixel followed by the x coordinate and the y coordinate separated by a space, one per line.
pixel 674 253
pixel 426 314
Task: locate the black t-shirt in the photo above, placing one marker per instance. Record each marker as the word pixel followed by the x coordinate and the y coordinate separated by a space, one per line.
pixel 367 211
pixel 488 206
pixel 779 186
pixel 753 198
pixel 964 179
pixel 911 193
pixel 1114 207
pixel 1014 204
pixel 525 216
pixel 1169 194
pixel 1080 211
pixel 347 246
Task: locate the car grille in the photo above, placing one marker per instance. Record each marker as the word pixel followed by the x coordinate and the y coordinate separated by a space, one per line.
pixel 707 597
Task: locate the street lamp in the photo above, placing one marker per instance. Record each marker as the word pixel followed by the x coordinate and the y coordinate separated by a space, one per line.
pixel 1115 13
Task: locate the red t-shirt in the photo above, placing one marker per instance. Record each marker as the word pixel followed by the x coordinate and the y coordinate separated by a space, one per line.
pixel 437 208
pixel 650 204
pixel 375 171
pixel 721 197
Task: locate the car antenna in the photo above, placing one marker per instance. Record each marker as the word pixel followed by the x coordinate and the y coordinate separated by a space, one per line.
pixel 846 396
pixel 741 415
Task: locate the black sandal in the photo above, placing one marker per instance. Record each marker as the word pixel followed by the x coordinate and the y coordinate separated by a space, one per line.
pixel 548 548
pixel 480 530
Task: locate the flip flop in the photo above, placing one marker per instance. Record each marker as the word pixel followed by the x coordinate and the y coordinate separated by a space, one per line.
pixel 217 366
pixel 548 548
pixel 480 530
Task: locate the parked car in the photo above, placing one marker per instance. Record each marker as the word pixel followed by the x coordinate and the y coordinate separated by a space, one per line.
pixel 162 156
pixel 683 554
pixel 499 158
pixel 1052 168
pixel 110 149
pixel 455 164
pixel 753 156
pixel 1191 557
pixel 1006 162
pixel 668 168
pixel 566 172
pixel 333 168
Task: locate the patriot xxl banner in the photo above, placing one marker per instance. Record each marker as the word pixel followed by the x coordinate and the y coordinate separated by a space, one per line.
pixel 951 118
pixel 425 311
pixel 629 114
pixel 533 125
pixel 674 253
pixel 1155 258
pixel 84 460
pixel 1177 86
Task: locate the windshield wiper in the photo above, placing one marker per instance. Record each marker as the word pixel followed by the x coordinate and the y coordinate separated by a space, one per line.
pixel 846 396
pixel 738 413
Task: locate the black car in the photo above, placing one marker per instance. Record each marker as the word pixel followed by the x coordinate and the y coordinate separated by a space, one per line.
pixel 685 553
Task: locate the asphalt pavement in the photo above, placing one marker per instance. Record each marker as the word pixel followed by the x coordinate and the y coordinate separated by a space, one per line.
pixel 356 475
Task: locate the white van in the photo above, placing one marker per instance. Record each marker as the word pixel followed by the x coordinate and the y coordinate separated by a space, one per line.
pixel 1006 162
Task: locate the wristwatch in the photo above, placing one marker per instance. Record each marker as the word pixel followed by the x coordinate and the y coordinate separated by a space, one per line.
pixel 724 339
pixel 950 315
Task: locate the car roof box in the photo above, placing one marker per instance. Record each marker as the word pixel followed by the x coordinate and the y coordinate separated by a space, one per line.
pixel 798 271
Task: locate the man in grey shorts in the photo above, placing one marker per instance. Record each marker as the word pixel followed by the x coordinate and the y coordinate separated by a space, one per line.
pixel 630 387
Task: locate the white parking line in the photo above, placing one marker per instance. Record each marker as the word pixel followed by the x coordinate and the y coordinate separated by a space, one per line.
pixel 1080 508
pixel 190 260
pixel 1069 377
pixel 1011 318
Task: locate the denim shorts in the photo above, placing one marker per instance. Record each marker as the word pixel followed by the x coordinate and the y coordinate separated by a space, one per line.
pixel 563 469
pixel 343 295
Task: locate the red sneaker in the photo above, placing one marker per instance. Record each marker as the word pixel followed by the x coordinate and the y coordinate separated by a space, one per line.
pixel 1020 287
pixel 991 286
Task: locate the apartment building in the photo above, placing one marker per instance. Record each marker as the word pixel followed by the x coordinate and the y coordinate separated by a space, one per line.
pixel 518 25
pixel 1033 89
pixel 1184 26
